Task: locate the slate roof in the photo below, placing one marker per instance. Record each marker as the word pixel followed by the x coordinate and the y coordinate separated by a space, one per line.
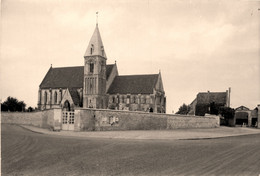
pixel 209 97
pixel 109 69
pixel 74 95
pixel 97 43
pixel 67 77
pixel 242 108
pixel 133 84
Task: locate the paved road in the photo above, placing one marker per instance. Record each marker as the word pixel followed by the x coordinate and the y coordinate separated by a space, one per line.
pixel 28 153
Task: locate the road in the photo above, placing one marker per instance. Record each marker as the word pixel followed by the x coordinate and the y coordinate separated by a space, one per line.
pixel 29 153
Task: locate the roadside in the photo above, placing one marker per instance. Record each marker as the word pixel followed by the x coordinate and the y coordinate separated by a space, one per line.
pixel 178 134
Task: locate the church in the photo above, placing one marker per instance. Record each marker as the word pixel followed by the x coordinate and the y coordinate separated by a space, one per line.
pixel 98 85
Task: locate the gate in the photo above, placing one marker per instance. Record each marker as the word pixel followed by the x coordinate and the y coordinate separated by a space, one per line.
pixel 68 120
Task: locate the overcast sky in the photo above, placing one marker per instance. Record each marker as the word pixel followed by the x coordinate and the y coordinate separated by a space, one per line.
pixel 198 46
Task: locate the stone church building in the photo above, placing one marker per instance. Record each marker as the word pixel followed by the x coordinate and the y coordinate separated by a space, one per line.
pixel 98 85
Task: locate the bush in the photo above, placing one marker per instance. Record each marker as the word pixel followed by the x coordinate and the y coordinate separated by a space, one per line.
pixel 13 105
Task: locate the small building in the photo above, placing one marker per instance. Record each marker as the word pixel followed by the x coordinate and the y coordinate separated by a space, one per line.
pixel 206 102
pixel 245 116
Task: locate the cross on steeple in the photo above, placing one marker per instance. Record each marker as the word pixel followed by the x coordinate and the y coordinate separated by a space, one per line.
pixel 96 18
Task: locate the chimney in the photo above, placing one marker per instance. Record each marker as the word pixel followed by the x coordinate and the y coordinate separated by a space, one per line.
pixel 228 97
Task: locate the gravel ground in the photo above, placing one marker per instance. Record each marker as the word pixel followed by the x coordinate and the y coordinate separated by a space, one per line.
pixel 27 153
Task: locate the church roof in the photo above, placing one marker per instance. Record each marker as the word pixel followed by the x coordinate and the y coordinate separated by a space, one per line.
pixel 74 95
pixel 209 97
pixel 67 77
pixel 109 69
pixel 96 44
pixel 133 84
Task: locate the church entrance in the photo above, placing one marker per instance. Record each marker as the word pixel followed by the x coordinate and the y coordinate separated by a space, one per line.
pixel 67 117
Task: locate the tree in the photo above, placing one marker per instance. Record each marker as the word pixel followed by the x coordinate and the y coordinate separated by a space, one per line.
pixel 227 112
pixel 12 104
pixel 183 109
pixel 30 109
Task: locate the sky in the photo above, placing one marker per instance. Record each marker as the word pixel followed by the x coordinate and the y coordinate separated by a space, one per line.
pixel 197 46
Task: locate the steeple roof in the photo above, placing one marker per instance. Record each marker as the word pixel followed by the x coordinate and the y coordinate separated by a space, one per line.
pixel 95 46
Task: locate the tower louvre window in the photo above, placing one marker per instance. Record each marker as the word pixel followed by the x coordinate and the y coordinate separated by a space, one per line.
pixel 91 67
pixel 102 50
pixel 92 49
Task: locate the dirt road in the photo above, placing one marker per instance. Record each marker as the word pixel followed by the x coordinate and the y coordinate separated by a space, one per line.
pixel 28 153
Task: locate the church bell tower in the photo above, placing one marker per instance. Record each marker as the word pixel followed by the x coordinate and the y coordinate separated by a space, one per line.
pixel 94 89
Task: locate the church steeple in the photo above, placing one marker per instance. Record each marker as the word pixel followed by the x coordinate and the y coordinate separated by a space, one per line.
pixel 95 46
pixel 94 90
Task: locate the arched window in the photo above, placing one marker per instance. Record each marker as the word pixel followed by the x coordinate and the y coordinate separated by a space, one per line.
pixel 55 97
pixel 102 50
pixel 91 67
pixel 133 99
pixel 113 100
pixel 66 105
pixel 92 49
pixel 45 97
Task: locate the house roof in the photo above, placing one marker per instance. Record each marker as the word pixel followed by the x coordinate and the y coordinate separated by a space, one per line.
pixel 241 108
pixel 67 77
pixel 209 97
pixel 133 84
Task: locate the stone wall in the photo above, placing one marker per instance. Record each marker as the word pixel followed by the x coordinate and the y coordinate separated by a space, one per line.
pixel 98 120
pixel 24 118
pixel 46 119
pixel 258 118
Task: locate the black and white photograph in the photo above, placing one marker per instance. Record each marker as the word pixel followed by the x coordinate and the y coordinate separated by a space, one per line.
pixel 130 87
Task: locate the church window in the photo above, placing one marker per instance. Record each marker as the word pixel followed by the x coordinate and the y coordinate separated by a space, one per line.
pixel 92 49
pixel 127 100
pixel 45 97
pixel 90 87
pixel 91 67
pixel 113 100
pixel 55 97
pixel 133 99
pixel 102 50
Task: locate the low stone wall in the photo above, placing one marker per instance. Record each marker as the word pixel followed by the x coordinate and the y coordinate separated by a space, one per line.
pixel 258 118
pixel 24 118
pixel 46 119
pixel 97 119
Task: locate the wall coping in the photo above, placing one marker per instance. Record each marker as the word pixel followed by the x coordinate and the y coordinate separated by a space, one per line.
pixel 8 112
